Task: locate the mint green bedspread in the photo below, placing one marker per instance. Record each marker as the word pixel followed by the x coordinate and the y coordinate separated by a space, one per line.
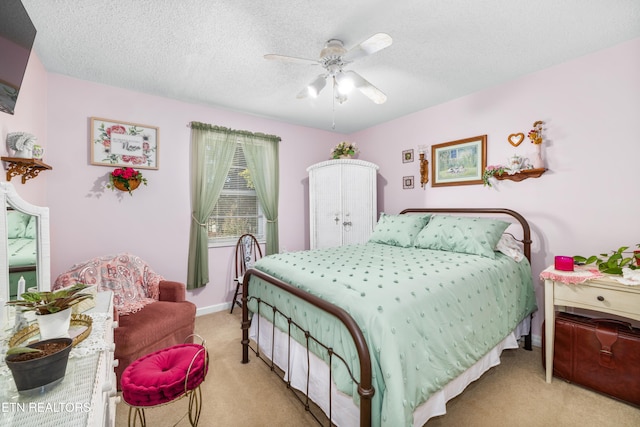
pixel 426 315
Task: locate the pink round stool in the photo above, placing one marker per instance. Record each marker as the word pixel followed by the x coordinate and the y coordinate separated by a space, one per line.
pixel 164 376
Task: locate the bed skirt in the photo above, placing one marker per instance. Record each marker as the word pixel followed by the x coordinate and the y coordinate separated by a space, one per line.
pixel 344 411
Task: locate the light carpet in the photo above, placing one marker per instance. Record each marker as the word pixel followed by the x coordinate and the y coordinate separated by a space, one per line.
pixel 512 394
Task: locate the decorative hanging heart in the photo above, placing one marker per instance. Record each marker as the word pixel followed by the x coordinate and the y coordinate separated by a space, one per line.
pixel 516 139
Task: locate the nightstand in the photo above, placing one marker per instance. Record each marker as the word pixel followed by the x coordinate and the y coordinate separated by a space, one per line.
pixel 602 294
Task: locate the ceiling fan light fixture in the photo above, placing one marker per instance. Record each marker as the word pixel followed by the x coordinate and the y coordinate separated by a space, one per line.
pixel 316 86
pixel 344 84
pixel 333 58
pixel 332 49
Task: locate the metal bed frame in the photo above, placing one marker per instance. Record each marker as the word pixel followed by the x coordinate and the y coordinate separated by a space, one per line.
pixel 365 388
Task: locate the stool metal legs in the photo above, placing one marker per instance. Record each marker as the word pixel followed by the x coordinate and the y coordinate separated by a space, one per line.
pixel 137 415
pixel 195 406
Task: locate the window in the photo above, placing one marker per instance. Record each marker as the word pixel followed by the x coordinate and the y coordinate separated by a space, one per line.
pixel 238 209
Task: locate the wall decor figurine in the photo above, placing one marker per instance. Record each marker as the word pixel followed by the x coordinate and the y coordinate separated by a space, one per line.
pixel 516 139
pixel 535 135
pixel 424 169
pixel 22 144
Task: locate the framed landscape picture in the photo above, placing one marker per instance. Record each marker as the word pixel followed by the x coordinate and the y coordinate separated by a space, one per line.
pixel 121 144
pixel 460 162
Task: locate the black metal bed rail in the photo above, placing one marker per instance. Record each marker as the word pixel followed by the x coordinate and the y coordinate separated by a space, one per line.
pixel 365 388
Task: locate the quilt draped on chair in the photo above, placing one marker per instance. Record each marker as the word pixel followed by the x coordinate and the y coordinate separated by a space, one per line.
pixel 131 280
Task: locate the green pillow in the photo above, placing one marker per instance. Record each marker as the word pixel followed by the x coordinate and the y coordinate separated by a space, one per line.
pixel 16 224
pixel 30 232
pixel 468 235
pixel 398 230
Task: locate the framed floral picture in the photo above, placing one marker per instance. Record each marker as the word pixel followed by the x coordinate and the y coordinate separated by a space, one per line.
pixel 460 162
pixel 117 143
pixel 407 182
pixel 407 156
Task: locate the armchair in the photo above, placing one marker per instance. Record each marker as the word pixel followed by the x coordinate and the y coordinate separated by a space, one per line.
pixel 151 312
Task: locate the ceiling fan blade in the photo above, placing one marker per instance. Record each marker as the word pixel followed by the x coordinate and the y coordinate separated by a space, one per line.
pixel 370 46
pixel 369 90
pixel 293 59
pixel 313 88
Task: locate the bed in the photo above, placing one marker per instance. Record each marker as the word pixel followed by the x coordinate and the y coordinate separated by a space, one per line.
pixel 399 325
pixel 22 249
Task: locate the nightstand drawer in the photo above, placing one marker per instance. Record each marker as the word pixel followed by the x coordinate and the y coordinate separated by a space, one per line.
pixel 597 298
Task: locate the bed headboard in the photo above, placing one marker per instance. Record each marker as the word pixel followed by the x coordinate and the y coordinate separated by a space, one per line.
pixel 526 231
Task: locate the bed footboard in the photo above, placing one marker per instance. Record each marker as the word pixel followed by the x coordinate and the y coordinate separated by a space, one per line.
pixel 365 388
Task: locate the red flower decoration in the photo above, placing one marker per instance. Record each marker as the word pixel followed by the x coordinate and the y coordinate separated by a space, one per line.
pixel 124 176
pixel 116 129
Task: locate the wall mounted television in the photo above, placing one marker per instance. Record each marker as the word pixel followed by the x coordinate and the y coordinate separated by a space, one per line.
pixel 17 34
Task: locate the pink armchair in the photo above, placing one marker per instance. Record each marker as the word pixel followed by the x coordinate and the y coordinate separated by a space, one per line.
pixel 152 313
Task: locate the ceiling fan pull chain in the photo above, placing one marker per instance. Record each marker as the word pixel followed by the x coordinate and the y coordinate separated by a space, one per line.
pixel 333 105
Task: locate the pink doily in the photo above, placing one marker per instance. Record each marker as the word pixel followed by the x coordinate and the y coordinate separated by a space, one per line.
pixel 580 275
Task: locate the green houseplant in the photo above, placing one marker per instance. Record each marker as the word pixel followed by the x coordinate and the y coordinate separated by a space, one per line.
pixel 53 309
pixel 39 365
pixel 612 262
pixel 344 150
pixel 49 302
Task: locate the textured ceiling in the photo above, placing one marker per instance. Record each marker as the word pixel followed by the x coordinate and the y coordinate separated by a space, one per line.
pixel 211 52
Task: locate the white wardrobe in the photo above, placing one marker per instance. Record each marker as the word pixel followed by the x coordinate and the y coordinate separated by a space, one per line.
pixel 342 202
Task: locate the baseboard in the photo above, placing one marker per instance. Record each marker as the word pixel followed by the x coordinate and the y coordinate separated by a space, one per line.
pixel 213 309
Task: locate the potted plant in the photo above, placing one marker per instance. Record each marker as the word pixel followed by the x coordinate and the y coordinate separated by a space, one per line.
pixel 53 309
pixel 489 173
pixel 39 364
pixel 344 150
pixel 126 179
pixel 613 262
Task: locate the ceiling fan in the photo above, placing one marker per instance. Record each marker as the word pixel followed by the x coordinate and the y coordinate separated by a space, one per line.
pixel 333 58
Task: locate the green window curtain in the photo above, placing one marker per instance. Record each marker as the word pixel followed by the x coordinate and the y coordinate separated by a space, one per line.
pixel 212 149
pixel 261 153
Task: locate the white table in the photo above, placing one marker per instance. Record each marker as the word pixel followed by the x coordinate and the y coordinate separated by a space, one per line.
pixel 604 295
pixel 88 393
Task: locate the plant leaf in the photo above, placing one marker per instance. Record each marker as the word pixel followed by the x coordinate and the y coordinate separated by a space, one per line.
pixel 20 350
pixel 31 296
pixel 592 259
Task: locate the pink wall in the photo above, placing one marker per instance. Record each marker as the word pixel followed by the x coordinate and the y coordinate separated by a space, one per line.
pixel 89 220
pixel 30 116
pixel 587 202
pixel 584 204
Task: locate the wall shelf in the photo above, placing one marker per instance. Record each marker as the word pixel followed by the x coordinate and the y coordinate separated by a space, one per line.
pixel 28 168
pixel 524 174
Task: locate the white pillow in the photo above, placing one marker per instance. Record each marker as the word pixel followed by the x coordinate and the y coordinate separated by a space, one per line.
pixel 509 246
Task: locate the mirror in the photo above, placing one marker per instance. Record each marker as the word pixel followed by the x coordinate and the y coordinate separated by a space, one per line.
pixel 24 233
